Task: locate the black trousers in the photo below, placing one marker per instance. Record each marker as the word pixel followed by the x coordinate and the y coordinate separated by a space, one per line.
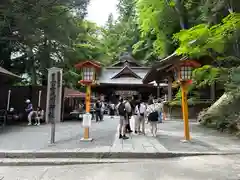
pixel 128 127
pixel 98 116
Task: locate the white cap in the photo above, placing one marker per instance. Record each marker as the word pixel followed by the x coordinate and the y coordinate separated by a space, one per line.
pixel 28 101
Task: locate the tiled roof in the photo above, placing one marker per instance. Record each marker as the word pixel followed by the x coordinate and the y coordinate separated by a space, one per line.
pixel 126 70
pixel 71 93
pixel 108 73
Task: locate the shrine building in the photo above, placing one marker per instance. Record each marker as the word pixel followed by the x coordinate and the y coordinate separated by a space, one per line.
pixel 124 78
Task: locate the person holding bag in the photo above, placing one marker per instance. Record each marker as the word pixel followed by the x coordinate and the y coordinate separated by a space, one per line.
pixel 153 111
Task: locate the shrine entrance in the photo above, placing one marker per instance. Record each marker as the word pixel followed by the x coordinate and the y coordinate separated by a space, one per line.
pixel 124 78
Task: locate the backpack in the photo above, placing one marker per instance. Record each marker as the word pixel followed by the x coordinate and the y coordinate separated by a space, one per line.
pixel 98 106
pixel 121 109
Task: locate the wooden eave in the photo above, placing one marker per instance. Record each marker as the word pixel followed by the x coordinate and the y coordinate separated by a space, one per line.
pixel 160 70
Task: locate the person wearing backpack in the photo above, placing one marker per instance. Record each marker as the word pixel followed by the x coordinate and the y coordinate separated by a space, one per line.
pixel 123 119
pixel 140 111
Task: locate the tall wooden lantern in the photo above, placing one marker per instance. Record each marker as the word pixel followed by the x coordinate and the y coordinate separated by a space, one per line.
pixel 89 71
pixel 183 74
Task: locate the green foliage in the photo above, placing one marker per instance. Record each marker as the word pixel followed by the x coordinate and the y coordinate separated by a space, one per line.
pixel 157 19
pixel 193 96
pixel 206 75
pixel 199 40
pixel 40 34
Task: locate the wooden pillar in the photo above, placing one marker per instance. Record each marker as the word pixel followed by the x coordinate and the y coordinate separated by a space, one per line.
pixel 158 90
pixel 169 88
pixel 169 98
pixel 184 87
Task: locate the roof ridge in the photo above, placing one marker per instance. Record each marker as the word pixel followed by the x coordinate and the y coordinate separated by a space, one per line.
pixel 121 71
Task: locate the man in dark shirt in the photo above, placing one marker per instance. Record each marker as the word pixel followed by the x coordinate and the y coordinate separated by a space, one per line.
pixel 98 107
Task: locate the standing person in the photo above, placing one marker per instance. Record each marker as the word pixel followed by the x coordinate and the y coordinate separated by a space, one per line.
pixel 136 120
pixel 160 106
pixel 152 114
pixel 102 110
pixel 141 112
pixel 98 107
pixel 112 110
pixel 128 114
pixel 29 111
pixel 123 120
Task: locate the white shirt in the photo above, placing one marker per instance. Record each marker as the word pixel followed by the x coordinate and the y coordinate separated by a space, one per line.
pixel 154 107
pixel 128 106
pixel 141 109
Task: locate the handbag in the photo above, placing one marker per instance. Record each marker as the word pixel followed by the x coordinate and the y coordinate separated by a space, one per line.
pixel 153 116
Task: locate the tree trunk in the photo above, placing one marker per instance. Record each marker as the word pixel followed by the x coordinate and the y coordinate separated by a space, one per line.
pixel 179 7
pixel 5 54
pixel 32 67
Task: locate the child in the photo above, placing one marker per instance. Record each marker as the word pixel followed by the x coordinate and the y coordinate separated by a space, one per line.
pixel 39 116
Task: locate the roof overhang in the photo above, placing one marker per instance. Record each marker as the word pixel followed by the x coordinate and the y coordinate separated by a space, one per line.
pixel 158 71
pixel 7 76
pixel 5 72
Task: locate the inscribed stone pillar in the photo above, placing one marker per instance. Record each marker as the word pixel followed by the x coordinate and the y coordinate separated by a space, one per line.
pixel 54 95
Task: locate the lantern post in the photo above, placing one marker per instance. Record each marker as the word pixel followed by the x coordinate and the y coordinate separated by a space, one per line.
pixel 88 70
pixel 183 74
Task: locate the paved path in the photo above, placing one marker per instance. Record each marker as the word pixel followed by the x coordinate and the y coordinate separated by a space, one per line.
pixel 105 137
pixel 68 135
pixel 170 136
pixel 185 168
pixel 202 139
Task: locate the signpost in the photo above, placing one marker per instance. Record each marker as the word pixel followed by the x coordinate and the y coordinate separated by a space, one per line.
pixel 54 99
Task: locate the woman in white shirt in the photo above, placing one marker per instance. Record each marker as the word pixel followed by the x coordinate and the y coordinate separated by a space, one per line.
pixel 140 111
pixel 153 110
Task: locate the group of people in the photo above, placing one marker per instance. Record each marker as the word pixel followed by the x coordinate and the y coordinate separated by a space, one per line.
pixel 140 112
pixel 37 114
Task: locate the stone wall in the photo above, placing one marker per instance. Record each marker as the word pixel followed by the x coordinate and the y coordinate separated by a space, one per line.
pixel 176 111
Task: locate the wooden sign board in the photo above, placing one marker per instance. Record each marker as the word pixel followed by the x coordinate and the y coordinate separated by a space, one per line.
pixel 126 93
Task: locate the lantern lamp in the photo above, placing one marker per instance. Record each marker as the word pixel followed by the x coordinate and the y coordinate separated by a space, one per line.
pixel 89 70
pixel 88 73
pixel 183 71
pixel 186 73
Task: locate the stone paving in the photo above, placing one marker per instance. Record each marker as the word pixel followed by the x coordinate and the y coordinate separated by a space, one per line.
pixel 68 135
pixel 184 168
pixel 202 139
